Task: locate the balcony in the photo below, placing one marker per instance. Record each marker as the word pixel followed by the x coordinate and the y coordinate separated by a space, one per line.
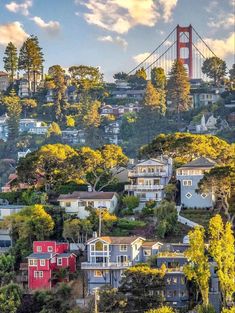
pixel 107 265
pixel 133 174
pixel 143 187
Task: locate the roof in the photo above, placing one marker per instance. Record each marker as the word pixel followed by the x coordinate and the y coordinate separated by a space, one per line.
pixel 65 255
pixel 3 73
pixel 150 244
pixel 117 240
pixel 88 195
pixel 40 256
pixel 200 162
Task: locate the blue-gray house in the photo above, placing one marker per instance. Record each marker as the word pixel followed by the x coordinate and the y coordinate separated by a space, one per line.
pixel 108 258
pixel 189 176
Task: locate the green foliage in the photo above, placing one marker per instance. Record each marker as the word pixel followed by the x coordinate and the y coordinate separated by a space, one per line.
pixel 166 214
pixel 129 225
pixel 7 273
pixel 178 88
pixel 10 60
pixel 10 298
pixel 158 77
pixel 76 230
pixel 131 202
pixel 214 68
pixel 111 300
pixel 205 309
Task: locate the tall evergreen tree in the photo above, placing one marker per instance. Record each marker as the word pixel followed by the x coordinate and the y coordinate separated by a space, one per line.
pixel 214 68
pixel 154 98
pixel 31 59
pixel 141 73
pixel 11 60
pixel 158 77
pixel 178 88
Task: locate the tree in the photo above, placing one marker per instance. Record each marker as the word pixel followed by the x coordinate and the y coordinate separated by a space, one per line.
pixel 162 309
pixel 198 268
pixel 31 59
pixel 27 105
pixel 111 300
pixel 143 286
pixel 72 229
pixel 59 86
pixel 232 73
pixel 166 214
pixel 221 248
pixel 219 182
pixel 86 78
pixel 158 78
pixel 131 202
pixel 10 60
pixel 183 147
pixel 70 121
pixel 6 269
pixel 153 99
pixel 214 68
pixel 54 130
pixel 120 76
pixel 12 103
pixel 101 166
pixel 178 88
pixel 141 73
pixel 10 298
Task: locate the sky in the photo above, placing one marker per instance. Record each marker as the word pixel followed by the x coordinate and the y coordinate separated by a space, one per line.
pixel 113 34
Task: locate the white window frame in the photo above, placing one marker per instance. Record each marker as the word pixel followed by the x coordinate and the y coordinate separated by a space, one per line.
pixel 39 249
pixel 147 252
pixel 187 182
pixel 38 274
pixel 204 195
pixel 59 261
pixel 42 262
pixel 49 249
pixel 123 248
pixel 190 195
pixel 137 257
pixel 33 262
pixel 98 273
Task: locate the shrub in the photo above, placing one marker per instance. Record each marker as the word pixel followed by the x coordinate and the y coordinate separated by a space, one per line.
pixel 131 202
pixel 130 225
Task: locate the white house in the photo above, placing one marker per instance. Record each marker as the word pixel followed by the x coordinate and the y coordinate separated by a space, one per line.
pixel 76 202
pixel 148 178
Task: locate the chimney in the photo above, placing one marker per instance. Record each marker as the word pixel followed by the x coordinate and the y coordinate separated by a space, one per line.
pixel 94 234
pixel 89 188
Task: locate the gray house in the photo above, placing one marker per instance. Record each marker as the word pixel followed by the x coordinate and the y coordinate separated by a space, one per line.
pixel 108 257
pixel 188 177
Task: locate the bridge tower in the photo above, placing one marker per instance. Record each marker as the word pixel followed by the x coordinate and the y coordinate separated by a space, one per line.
pixel 188 43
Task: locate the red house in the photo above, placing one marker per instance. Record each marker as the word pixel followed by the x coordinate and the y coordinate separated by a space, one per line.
pixel 47 259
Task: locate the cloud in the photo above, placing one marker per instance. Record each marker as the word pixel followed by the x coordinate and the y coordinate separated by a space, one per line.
pixel 116 40
pixel 121 15
pixel 52 27
pixel 22 8
pixel 13 32
pixel 221 47
pixel 223 20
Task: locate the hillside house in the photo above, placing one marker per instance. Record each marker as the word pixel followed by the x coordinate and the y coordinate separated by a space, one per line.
pixel 48 257
pixel 76 202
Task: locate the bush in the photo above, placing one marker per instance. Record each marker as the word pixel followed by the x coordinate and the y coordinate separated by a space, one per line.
pixel 129 225
pixel 150 204
pixel 131 202
pixel 127 212
pixel 147 211
pixel 205 309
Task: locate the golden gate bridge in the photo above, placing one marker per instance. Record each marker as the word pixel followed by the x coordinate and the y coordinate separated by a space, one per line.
pixel 182 43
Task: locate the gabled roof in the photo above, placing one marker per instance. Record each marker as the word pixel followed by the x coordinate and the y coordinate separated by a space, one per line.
pixel 66 255
pixel 40 256
pixel 117 240
pixel 86 195
pixel 152 161
pixel 200 162
pixel 150 244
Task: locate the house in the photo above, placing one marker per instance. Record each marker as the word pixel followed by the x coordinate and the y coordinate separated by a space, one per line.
pixel 4 81
pixel 3 127
pixel 22 154
pixel 108 257
pixel 6 210
pixel 48 258
pixel 204 97
pixel 73 136
pixel 77 202
pixel 112 131
pixel 207 124
pixel 188 177
pixel 148 178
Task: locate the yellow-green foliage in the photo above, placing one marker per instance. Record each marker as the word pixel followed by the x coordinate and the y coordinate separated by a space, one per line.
pixel 163 309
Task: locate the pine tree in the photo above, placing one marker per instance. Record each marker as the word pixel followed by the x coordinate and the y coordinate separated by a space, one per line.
pixel 11 60
pixel 158 78
pixel 154 98
pixel 178 88
pixel 31 59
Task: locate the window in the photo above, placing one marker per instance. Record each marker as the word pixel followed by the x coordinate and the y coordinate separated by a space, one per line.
pixel 182 281
pixel 174 280
pixel 59 261
pixel 187 182
pixel 122 274
pixel 122 259
pixel 123 248
pixel 33 262
pixel 137 257
pixel 147 252
pixel 38 274
pixel 49 249
pixel 203 195
pixel 98 274
pixel 39 249
pixel 42 262
pixel 188 195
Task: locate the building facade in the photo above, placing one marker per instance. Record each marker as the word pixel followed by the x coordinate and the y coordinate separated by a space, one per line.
pixel 108 257
pixel 188 176
pixel 148 179
pixel 78 201
pixel 49 257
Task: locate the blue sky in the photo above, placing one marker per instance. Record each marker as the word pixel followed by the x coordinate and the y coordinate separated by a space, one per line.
pixel 112 34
